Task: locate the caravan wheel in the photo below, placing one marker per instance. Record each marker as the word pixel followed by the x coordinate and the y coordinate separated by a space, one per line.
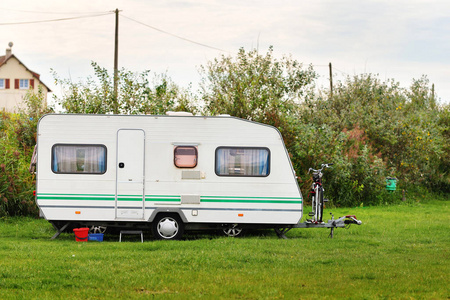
pixel 97 229
pixel 233 230
pixel 167 227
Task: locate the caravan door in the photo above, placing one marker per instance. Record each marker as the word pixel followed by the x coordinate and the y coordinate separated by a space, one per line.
pixel 130 176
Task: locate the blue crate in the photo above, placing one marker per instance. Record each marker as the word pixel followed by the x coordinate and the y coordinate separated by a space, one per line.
pixel 96 237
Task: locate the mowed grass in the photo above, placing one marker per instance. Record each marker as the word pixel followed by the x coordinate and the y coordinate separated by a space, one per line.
pixel 400 252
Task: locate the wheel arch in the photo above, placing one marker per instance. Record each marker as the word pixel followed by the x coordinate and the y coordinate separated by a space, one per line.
pixel 168 210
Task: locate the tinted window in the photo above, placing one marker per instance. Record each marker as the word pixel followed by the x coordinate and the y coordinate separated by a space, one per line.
pixel 185 156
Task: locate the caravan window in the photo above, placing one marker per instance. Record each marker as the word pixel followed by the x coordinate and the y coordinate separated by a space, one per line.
pixel 78 159
pixel 242 161
pixel 185 156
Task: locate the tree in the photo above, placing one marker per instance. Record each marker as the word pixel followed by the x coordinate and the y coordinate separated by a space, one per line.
pixel 135 94
pixel 257 87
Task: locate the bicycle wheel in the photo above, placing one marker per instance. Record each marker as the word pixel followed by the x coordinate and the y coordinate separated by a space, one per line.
pixel 319 211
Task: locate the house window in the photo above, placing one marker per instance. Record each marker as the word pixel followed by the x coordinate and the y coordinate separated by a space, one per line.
pixel 185 156
pixel 242 161
pixel 78 159
pixel 4 83
pixel 24 84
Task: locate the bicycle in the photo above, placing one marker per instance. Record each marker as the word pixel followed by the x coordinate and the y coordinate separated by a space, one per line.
pixel 316 193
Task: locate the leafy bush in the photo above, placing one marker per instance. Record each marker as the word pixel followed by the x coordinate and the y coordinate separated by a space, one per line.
pixel 389 131
pixel 357 176
pixel 18 137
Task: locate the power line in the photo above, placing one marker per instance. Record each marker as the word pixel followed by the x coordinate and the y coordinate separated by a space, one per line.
pixel 334 68
pixel 54 12
pixel 174 35
pixel 341 71
pixel 57 20
pixel 108 13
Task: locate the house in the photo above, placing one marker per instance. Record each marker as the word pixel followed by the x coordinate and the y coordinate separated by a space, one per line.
pixel 15 81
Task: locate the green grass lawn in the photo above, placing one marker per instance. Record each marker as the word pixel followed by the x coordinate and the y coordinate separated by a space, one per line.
pixel 400 252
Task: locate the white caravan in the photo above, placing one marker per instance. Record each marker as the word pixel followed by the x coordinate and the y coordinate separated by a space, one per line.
pixel 168 173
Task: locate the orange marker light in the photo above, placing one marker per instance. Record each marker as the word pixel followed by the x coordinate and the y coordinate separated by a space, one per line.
pixel 240 215
pixel 78 212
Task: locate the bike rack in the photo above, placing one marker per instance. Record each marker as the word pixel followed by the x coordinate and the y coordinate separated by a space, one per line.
pixel 342 222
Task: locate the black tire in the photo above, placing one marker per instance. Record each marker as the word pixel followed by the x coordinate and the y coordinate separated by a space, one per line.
pixel 319 198
pixel 313 205
pixel 167 227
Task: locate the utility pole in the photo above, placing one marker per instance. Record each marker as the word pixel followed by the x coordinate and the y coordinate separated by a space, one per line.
pixel 432 93
pixel 116 63
pixel 331 81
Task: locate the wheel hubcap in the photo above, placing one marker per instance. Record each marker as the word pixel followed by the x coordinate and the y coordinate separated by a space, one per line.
pixel 232 231
pixel 98 229
pixel 168 228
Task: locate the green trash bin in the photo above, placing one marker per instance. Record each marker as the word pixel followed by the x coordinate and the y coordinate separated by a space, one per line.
pixel 391 184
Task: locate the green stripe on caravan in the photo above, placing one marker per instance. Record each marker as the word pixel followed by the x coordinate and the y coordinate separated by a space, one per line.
pixel 164 198
pixel 96 197
pixel 288 200
pixel 169 198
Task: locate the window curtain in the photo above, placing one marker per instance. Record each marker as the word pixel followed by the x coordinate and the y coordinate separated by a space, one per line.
pixel 242 161
pixel 79 159
pixel 94 161
pixel 64 159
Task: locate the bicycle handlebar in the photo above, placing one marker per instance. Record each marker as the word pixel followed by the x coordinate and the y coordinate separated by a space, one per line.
pixel 322 166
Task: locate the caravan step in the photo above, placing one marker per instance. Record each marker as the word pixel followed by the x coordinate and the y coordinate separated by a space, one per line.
pixel 131 232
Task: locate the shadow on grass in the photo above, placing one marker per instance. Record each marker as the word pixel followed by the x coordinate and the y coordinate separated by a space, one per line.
pixel 188 236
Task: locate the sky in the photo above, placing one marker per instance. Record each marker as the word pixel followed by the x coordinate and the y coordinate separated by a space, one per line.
pixel 400 40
